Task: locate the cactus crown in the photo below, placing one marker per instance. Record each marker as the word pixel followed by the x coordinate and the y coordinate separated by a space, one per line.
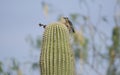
pixel 56 55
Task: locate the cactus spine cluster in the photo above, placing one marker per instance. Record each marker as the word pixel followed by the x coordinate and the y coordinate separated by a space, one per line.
pixel 56 54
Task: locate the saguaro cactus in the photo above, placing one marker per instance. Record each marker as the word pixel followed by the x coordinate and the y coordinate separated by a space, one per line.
pixel 56 54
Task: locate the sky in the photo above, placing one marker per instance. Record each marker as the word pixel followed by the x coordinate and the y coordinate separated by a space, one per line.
pixel 20 18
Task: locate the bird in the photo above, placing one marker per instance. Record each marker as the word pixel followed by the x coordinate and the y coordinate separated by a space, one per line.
pixel 67 23
pixel 42 25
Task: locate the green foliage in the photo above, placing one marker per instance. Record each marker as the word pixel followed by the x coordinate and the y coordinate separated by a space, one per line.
pixel 74 16
pixel 35 65
pixel 15 65
pixel 116 39
pixel 104 19
pixel 34 43
pixel 38 42
pixel 1 70
pixel 80 46
pixel 114 50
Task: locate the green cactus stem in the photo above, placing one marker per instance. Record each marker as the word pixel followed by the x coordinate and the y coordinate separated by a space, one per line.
pixel 56 54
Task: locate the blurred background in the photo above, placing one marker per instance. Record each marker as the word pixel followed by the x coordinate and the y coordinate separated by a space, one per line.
pixel 96 43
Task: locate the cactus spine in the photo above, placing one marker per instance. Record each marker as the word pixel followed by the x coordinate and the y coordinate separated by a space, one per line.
pixel 56 54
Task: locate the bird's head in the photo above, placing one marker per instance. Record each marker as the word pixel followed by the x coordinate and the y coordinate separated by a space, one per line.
pixel 63 19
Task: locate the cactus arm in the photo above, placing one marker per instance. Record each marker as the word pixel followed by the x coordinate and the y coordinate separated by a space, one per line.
pixel 56 54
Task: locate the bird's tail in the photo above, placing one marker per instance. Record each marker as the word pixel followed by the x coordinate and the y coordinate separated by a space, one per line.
pixel 73 30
